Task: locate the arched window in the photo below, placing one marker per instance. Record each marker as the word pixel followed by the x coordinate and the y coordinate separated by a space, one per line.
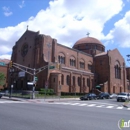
pixel 74 80
pixel 90 66
pixel 61 58
pixel 88 82
pixel 117 70
pixel 67 79
pixel 83 82
pixel 72 61
pixel 79 81
pixel 82 64
pixel 62 79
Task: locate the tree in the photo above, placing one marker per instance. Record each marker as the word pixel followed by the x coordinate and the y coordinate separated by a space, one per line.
pixel 2 78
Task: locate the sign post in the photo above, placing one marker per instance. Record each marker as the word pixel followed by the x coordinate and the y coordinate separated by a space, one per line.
pixel 33 88
pixel 11 90
pixel 46 87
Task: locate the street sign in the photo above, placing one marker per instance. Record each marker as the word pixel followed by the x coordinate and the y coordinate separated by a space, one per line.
pixel 51 67
pixel 12 86
pixel 36 78
pixel 21 74
pixel 46 85
pixel 30 83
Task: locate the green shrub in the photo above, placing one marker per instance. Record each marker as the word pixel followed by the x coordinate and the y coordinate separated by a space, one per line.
pixel 46 91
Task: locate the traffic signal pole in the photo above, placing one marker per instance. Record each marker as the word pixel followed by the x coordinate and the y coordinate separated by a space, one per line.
pixel 34 82
pixel 33 72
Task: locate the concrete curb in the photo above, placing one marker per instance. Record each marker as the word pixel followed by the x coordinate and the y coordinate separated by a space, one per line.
pixel 13 99
pixel 42 100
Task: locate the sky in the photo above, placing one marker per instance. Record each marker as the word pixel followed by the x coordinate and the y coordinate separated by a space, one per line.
pixel 67 21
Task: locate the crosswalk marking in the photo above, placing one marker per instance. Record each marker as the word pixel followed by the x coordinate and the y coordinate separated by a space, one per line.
pixel 66 103
pixel 75 104
pixel 119 108
pixel 100 106
pixel 82 104
pixel 109 106
pixel 91 105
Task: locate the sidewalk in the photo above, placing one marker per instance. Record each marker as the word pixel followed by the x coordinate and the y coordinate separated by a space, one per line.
pixel 126 104
pixel 12 98
pixel 40 99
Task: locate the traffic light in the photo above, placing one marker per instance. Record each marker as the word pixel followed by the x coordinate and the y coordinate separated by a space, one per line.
pixel 10 64
pixel 57 65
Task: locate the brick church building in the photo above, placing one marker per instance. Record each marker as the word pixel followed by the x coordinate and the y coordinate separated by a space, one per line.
pixel 81 69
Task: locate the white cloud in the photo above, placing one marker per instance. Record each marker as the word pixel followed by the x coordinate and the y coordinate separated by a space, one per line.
pixel 22 4
pixel 121 31
pixel 7 11
pixel 5 56
pixel 66 20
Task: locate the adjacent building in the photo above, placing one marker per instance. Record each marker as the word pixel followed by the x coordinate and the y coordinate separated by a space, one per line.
pixel 3 70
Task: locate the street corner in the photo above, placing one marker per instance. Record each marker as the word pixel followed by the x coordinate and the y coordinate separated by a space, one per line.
pixel 11 98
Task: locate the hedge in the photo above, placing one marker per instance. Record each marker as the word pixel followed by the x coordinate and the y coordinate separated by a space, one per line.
pixel 46 91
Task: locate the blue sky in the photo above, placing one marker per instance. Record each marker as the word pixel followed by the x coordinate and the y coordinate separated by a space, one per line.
pixel 67 21
pixel 21 10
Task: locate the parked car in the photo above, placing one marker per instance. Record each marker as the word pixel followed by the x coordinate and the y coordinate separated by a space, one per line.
pixel 89 96
pixel 123 96
pixel 113 95
pixel 1 94
pixel 104 95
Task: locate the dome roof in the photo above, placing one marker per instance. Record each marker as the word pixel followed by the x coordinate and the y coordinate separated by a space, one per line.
pixel 88 40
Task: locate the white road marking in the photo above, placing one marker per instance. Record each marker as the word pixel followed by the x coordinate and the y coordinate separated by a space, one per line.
pixel 91 105
pixel 82 104
pixel 101 103
pixel 128 109
pixel 100 106
pixel 109 106
pixel 74 103
pixel 119 108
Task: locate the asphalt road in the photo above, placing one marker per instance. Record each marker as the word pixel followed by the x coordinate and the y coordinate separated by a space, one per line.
pixel 52 116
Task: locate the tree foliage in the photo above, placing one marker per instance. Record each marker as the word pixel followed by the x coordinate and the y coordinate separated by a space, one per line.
pixel 2 78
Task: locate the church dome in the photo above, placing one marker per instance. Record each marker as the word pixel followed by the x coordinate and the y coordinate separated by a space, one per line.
pixel 88 40
pixel 89 45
